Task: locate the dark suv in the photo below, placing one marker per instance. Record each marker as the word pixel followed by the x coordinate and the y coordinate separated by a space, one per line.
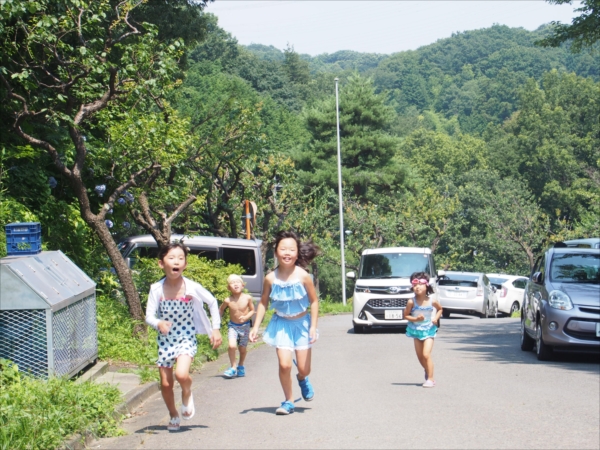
pixel 561 304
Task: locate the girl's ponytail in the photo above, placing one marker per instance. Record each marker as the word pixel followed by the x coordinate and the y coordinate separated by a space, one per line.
pixel 307 251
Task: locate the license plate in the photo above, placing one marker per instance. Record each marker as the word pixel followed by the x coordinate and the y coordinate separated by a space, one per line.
pixel 456 294
pixel 598 329
pixel 393 314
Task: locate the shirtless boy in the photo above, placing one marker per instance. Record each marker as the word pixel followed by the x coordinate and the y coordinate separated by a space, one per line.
pixel 241 310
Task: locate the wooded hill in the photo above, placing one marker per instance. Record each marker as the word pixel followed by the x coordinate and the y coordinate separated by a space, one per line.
pixel 482 146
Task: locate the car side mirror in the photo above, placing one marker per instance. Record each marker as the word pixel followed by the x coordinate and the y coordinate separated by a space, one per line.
pixel 441 273
pixel 538 278
pixel 351 275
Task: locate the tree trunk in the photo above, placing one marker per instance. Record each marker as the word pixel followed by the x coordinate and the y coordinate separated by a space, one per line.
pixel 315 272
pixel 123 272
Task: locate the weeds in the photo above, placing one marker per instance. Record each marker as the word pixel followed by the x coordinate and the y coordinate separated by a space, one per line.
pixel 40 414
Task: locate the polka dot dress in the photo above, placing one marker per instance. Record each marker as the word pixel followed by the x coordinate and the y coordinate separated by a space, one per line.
pixel 181 338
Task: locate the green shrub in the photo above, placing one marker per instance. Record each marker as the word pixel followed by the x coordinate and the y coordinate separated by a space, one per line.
pixel 39 414
pixel 328 306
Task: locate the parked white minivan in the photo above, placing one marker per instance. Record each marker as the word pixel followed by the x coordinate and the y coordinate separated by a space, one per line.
pixel 245 252
pixel 383 286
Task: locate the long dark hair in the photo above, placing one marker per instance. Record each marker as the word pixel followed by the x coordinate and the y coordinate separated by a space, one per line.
pixel 167 248
pixel 307 251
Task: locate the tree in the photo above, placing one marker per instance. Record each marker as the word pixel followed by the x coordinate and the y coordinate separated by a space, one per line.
pixel 66 68
pixel 368 149
pixel 584 30
pixel 296 68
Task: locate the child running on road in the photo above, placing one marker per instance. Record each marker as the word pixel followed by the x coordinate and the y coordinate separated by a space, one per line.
pixel 175 310
pixel 241 310
pixel 292 329
pixel 422 323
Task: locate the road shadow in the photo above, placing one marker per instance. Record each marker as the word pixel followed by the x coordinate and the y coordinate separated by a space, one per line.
pixel 157 429
pixel 271 410
pixel 379 330
pixel 407 384
pixel 499 340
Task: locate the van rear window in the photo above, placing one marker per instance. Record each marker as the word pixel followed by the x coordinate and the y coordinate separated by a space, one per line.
pixel 243 257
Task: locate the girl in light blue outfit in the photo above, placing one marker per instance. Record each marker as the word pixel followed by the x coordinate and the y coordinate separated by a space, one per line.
pixel 423 314
pixel 293 327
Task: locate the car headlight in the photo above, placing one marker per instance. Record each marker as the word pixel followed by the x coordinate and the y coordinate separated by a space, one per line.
pixel 560 300
pixel 361 289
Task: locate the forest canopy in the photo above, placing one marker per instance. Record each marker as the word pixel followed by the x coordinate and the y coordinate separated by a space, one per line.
pixel 483 146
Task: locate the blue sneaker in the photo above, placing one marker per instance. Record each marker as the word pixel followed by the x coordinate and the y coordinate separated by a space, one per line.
pixel 307 390
pixel 241 372
pixel 230 373
pixel 285 409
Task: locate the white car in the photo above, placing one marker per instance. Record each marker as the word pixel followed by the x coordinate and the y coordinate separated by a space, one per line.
pixel 509 290
pixel 383 285
pixel 467 293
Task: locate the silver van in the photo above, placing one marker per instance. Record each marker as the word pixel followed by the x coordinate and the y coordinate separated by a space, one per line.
pixel 383 286
pixel 244 252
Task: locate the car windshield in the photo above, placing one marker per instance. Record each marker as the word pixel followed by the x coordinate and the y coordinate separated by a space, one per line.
pixel 451 279
pixel 576 268
pixel 393 265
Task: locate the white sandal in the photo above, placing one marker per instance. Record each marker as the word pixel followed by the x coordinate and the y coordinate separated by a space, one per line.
pixel 187 412
pixel 174 424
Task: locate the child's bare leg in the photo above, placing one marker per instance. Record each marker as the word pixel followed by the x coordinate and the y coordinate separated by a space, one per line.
pixel 303 358
pixel 285 373
pixel 427 348
pixel 419 351
pixel 167 383
pixel 231 350
pixel 182 374
pixel 243 352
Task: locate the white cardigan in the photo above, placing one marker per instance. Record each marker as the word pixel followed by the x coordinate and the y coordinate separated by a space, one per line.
pixel 199 296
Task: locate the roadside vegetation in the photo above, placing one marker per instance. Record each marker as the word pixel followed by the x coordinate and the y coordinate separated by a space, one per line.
pixel 38 414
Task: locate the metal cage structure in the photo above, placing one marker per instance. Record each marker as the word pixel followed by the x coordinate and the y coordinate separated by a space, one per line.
pixel 47 315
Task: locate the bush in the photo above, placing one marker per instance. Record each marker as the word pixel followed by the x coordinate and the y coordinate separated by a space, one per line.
pixel 39 414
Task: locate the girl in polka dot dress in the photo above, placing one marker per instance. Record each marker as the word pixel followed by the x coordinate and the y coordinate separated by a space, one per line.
pixel 175 310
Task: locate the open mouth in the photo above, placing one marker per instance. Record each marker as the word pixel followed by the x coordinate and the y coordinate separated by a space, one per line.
pixel 175 269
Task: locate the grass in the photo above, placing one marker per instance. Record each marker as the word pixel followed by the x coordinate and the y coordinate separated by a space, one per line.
pixel 327 306
pixel 40 414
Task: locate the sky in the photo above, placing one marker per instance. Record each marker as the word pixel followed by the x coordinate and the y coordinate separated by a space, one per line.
pixel 317 27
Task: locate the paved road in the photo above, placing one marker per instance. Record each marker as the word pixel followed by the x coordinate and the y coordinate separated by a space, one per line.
pixel 489 394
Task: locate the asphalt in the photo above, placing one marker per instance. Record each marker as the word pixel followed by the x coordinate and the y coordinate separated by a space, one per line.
pixel 368 394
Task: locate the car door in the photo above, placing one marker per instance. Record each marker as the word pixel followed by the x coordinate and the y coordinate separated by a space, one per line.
pixel 533 295
pixel 516 291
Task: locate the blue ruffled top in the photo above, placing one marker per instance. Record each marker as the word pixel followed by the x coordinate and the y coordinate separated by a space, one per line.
pixel 427 311
pixel 288 298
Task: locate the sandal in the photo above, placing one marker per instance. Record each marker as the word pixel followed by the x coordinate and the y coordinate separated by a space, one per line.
pixel 174 424
pixel 187 412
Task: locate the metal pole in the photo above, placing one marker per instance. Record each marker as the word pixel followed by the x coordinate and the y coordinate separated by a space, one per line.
pixel 339 161
pixel 247 219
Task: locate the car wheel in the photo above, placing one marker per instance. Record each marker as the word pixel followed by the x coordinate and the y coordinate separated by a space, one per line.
pixel 446 313
pixel 543 351
pixel 513 309
pixel 527 342
pixel 359 329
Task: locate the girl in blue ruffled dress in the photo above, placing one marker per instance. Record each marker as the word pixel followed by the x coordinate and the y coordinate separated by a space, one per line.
pixel 293 327
pixel 423 314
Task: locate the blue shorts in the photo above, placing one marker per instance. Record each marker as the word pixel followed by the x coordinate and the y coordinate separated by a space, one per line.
pixel 239 332
pixel 288 334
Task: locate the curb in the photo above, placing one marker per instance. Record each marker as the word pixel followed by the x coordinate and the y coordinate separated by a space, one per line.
pixel 132 400
pixel 99 369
